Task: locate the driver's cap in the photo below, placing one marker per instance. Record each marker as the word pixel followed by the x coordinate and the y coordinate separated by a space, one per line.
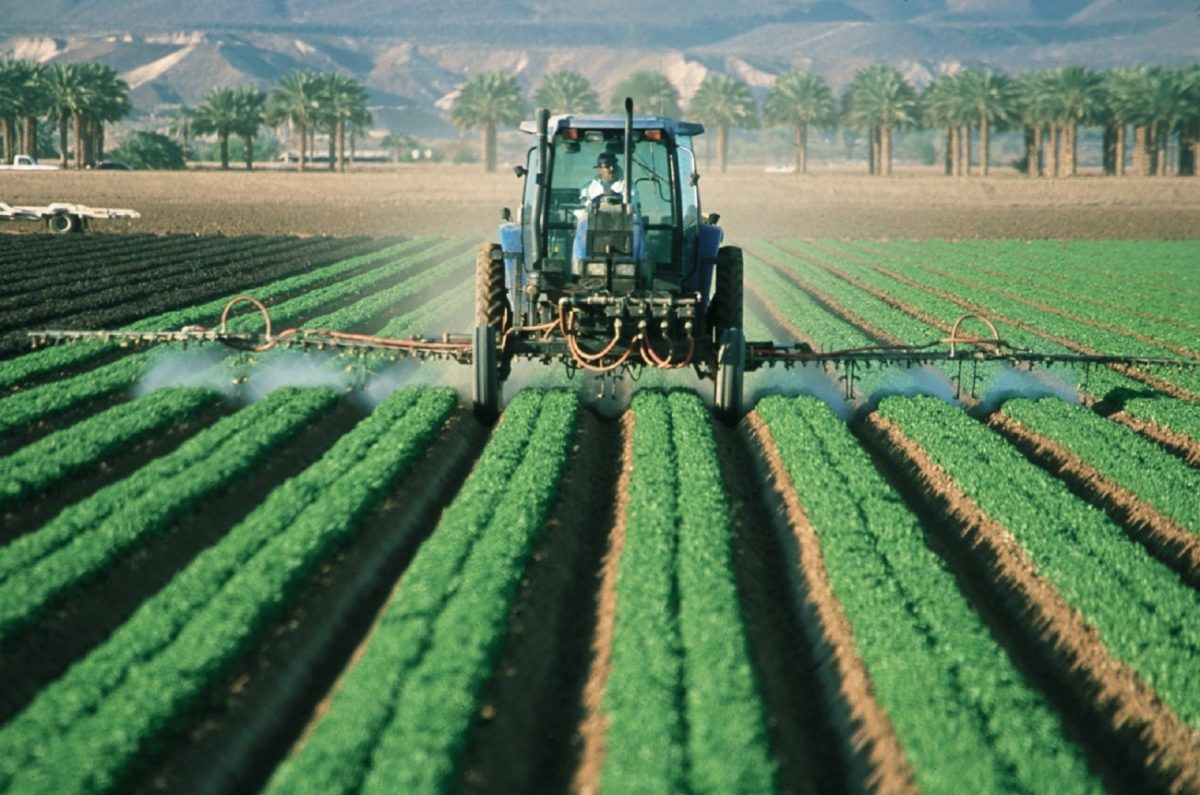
pixel 606 159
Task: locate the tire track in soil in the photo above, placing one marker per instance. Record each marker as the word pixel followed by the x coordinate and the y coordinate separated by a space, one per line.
pixel 268 697
pixel 1163 537
pixel 1133 740
pixel 528 737
pixel 83 618
pixel 799 720
pixel 593 725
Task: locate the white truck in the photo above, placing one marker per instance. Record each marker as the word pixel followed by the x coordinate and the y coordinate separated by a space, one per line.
pixel 63 217
pixel 27 163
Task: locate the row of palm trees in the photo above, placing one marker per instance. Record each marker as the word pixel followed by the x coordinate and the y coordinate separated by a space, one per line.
pixel 1049 105
pixel 309 101
pixel 77 98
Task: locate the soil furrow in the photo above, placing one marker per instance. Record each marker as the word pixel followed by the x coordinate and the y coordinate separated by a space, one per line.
pixel 593 726
pixel 798 713
pixel 1132 738
pixel 875 760
pixel 1178 444
pixel 528 738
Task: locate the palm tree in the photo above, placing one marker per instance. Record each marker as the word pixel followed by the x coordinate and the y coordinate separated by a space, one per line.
pixel 565 91
pixel 1163 103
pixel 724 101
pixel 219 113
pixel 19 96
pixel 343 103
pixel 295 100
pixel 989 94
pixel 651 93
pixel 944 105
pixel 104 98
pixel 1189 152
pixel 66 90
pixel 181 125
pixel 879 100
pixel 488 100
pixel 251 104
pixel 1077 97
pixel 799 100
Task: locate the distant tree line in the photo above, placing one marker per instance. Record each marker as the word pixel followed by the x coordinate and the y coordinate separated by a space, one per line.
pixel 78 99
pixel 1158 104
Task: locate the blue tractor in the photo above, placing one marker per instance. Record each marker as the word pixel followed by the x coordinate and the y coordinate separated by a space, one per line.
pixel 608 277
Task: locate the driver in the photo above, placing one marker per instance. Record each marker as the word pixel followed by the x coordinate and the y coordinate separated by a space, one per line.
pixel 609 178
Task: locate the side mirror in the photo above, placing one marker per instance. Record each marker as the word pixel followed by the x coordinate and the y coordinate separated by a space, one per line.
pixel 520 171
pixel 506 215
pixel 694 179
pixel 712 218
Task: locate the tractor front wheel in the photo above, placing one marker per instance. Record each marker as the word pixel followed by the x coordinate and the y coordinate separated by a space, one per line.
pixel 491 298
pixel 731 369
pixel 727 295
pixel 486 391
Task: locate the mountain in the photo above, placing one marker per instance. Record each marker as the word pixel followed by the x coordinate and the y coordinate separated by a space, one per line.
pixel 412 54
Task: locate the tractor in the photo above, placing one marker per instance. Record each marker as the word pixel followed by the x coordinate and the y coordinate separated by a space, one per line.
pixel 610 280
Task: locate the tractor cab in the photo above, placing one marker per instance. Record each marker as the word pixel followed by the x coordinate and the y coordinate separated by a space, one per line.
pixel 640 235
pixel 609 265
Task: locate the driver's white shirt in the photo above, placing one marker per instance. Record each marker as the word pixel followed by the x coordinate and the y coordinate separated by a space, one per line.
pixel 596 188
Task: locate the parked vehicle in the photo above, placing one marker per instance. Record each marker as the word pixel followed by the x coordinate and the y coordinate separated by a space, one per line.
pixel 27 163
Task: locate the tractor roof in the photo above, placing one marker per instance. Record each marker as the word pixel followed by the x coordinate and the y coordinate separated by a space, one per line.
pixel 671 126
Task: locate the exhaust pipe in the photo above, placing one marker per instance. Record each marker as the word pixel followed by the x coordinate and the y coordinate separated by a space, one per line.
pixel 539 201
pixel 628 181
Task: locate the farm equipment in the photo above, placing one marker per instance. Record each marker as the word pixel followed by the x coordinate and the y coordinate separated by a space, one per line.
pixel 611 281
pixel 63 217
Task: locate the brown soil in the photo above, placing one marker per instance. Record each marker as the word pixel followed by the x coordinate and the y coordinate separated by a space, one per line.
pixel 877 762
pixel 1166 539
pixel 1179 444
pixel 1096 693
pixel 594 727
pixel 464 200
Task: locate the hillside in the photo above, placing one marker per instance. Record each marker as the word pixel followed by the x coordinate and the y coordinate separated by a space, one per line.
pixel 413 54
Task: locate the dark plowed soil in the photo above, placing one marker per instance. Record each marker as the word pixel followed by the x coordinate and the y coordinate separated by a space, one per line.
pixel 266 699
pixel 527 738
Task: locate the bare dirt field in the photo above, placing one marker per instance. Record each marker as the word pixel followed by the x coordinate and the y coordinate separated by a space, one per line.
pixel 463 200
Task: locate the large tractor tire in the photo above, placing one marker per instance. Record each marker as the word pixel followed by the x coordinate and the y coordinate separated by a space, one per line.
pixel 64 224
pixel 486 388
pixel 726 310
pixel 731 369
pixel 491 298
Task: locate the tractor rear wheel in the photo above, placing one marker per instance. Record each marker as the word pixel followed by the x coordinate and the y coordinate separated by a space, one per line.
pixel 731 369
pixel 727 296
pixel 491 299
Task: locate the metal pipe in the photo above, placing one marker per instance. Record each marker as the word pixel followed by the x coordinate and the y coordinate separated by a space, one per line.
pixel 539 201
pixel 628 181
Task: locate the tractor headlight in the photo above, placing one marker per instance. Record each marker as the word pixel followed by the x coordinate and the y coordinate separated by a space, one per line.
pixel 596 269
pixel 626 269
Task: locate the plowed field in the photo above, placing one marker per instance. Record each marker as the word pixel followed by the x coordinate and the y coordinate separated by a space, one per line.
pixel 298 573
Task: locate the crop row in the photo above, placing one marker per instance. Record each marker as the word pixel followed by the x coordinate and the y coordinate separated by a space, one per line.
pixel 36 467
pixel 86 730
pixel 46 399
pixel 400 718
pixel 104 307
pixel 31 365
pixel 1146 616
pixel 683 708
pixel 961 709
pixel 86 537
pixel 32 253
pixel 1099 382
